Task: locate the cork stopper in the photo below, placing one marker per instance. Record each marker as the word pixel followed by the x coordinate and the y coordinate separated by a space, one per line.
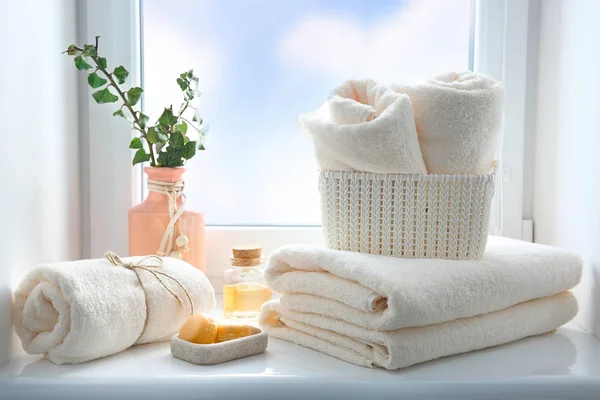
pixel 246 256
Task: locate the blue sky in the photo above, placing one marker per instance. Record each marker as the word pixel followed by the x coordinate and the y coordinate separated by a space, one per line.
pixel 261 63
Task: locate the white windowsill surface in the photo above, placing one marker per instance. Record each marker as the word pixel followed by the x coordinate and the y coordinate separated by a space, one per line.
pixel 565 364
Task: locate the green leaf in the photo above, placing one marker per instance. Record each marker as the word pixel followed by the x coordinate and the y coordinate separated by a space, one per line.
pixel 176 140
pixel 182 127
pixel 171 157
pixel 143 118
pixel 101 62
pixel 140 156
pixel 104 96
pixel 156 137
pixel 189 150
pixel 182 84
pixel 160 144
pixel 152 135
pixel 196 117
pixel 72 50
pixel 167 118
pixel 201 146
pixel 136 143
pixel 120 113
pixel 95 81
pixel 121 74
pixel 185 139
pixel 80 63
pixel 190 93
pixel 89 50
pixel 133 95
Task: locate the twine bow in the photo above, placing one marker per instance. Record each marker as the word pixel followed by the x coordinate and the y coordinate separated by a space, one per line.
pixel 150 268
pixel 172 190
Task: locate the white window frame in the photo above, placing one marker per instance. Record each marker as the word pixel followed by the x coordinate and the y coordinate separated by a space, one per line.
pixel 501 39
pixel 110 188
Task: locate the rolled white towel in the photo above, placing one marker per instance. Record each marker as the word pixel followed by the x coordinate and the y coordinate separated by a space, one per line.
pixel 78 311
pixel 409 346
pixel 349 111
pixel 365 127
pixel 458 118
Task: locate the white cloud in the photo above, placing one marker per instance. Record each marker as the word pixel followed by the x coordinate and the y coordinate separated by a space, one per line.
pixel 421 39
pixel 168 51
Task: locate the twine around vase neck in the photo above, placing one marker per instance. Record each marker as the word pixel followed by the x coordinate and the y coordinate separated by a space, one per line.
pixel 172 190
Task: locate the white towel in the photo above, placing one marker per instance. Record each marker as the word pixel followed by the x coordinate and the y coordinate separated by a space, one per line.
pixel 408 346
pixel 387 293
pixel 349 111
pixel 82 310
pixel 365 127
pixel 458 118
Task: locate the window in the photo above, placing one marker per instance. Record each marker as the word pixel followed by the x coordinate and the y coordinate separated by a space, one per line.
pixel 261 63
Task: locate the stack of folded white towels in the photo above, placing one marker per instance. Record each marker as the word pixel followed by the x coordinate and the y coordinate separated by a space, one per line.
pixel 378 311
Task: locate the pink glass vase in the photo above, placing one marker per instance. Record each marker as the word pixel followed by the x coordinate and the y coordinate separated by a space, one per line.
pixel 149 219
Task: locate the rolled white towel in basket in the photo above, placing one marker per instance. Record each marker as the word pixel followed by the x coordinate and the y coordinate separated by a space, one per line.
pixel 349 111
pixel 365 127
pixel 458 118
pixel 387 293
pixel 408 346
pixel 78 311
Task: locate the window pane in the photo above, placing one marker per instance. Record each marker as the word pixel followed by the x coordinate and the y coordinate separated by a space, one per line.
pixel 261 63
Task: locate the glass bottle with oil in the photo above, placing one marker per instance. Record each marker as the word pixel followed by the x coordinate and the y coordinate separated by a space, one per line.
pixel 244 287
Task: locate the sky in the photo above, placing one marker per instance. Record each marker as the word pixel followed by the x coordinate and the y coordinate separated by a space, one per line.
pixel 261 63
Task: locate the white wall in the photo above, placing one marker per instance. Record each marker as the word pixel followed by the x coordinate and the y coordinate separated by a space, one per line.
pixel 39 203
pixel 567 141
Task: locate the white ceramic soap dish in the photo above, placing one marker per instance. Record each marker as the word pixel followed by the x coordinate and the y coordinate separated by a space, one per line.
pixel 208 354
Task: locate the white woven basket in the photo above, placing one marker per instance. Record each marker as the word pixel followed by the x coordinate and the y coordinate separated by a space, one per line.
pixel 408 216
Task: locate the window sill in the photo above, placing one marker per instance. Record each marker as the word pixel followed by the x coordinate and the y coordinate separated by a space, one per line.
pixel 561 365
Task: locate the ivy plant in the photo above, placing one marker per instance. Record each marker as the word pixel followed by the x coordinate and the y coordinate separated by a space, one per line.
pixel 164 143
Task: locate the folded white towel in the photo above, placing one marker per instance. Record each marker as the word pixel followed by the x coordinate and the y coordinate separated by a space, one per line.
pixel 408 346
pixel 365 127
pixel 387 293
pixel 458 118
pixel 79 311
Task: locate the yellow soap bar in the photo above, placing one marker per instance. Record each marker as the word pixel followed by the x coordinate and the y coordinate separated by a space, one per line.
pixel 229 332
pixel 199 329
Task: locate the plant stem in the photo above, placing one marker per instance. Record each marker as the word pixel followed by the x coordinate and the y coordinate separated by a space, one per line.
pixel 133 113
pixel 190 123
pixel 187 103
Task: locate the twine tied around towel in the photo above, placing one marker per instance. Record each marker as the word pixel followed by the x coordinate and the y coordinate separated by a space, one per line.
pixel 172 190
pixel 150 268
